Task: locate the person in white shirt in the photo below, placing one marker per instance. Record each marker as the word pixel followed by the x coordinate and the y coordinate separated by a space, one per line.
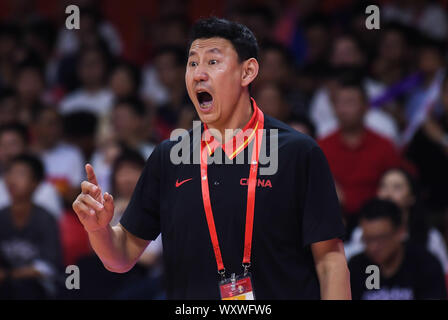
pixel 347 57
pixel 13 142
pixel 93 96
pixel 63 162
pixel 129 125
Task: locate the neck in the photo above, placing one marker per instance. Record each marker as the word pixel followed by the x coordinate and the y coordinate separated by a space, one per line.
pixel 20 212
pixel 390 267
pixel 239 118
pixel 353 135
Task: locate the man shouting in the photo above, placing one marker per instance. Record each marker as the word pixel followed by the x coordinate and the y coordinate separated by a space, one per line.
pixel 229 232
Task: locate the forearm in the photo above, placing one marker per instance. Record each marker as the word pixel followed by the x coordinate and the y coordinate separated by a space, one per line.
pixel 110 246
pixel 334 279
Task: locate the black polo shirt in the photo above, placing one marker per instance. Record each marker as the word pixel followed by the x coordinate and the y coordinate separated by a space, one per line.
pixel 297 207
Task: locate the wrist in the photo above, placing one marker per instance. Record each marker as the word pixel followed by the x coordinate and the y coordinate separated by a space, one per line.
pixel 98 231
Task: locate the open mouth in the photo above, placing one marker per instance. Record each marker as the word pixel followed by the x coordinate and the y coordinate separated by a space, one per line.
pixel 205 99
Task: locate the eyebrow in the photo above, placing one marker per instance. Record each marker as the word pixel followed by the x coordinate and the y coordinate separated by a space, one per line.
pixel 213 50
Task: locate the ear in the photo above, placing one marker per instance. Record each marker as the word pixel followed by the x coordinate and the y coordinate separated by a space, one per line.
pixel 250 71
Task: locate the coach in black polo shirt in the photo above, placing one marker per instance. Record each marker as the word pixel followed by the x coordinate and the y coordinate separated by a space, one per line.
pixel 292 249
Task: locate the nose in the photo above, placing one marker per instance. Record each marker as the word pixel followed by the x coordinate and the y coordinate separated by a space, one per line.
pixel 200 74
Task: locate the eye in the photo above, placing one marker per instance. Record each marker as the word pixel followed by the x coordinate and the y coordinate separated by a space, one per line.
pixel 193 64
pixel 212 62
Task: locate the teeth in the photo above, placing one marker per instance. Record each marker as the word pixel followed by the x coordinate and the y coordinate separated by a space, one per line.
pixel 207 103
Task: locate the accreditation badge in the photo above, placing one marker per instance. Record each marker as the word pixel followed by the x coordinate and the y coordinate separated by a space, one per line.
pixel 237 288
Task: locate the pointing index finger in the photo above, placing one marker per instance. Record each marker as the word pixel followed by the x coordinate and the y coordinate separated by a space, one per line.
pixel 91 174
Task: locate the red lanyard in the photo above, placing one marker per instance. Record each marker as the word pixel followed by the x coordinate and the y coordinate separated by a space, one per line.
pixel 250 201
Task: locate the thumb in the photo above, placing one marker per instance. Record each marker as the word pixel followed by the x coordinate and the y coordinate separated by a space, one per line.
pixel 108 202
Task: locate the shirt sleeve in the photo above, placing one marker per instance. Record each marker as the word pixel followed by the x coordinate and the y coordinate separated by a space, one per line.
pixel 322 219
pixel 142 215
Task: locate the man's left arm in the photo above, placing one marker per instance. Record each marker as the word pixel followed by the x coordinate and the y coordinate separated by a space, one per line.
pixel 332 269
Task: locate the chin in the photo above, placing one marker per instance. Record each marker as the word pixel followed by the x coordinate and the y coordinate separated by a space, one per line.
pixel 208 118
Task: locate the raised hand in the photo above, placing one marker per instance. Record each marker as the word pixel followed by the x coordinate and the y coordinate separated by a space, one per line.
pixel 94 210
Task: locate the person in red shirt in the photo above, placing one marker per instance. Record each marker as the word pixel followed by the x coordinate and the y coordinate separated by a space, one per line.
pixel 357 156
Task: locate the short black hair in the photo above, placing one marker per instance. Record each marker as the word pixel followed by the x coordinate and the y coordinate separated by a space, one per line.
pixel 80 124
pixel 241 37
pixel 129 156
pixel 302 118
pixel 18 128
pixel 351 78
pixel 134 103
pixel 133 71
pixel 7 93
pixel 378 209
pixel 33 162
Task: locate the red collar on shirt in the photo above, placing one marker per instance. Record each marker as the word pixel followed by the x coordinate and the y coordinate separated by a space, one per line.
pixel 240 140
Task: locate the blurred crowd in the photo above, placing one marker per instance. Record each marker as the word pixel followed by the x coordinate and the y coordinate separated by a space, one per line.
pixel 375 100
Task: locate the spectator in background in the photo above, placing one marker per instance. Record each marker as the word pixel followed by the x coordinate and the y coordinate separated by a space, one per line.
pixel 423 13
pixel 125 80
pixel 270 96
pixel 171 28
pixel 357 156
pixel 9 42
pixel 108 149
pixel 126 171
pixel 347 57
pixel 312 55
pixel 30 87
pixel 30 252
pixel 93 25
pixel 430 62
pixel 93 96
pixel 260 18
pixel 135 284
pixel 302 124
pixel 13 142
pixel 398 186
pixel 80 128
pixel 316 29
pixel 277 66
pixel 407 272
pixel 393 57
pixel 9 111
pixel 429 151
pixel 170 31
pixel 170 63
pixel 129 125
pixel 63 162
